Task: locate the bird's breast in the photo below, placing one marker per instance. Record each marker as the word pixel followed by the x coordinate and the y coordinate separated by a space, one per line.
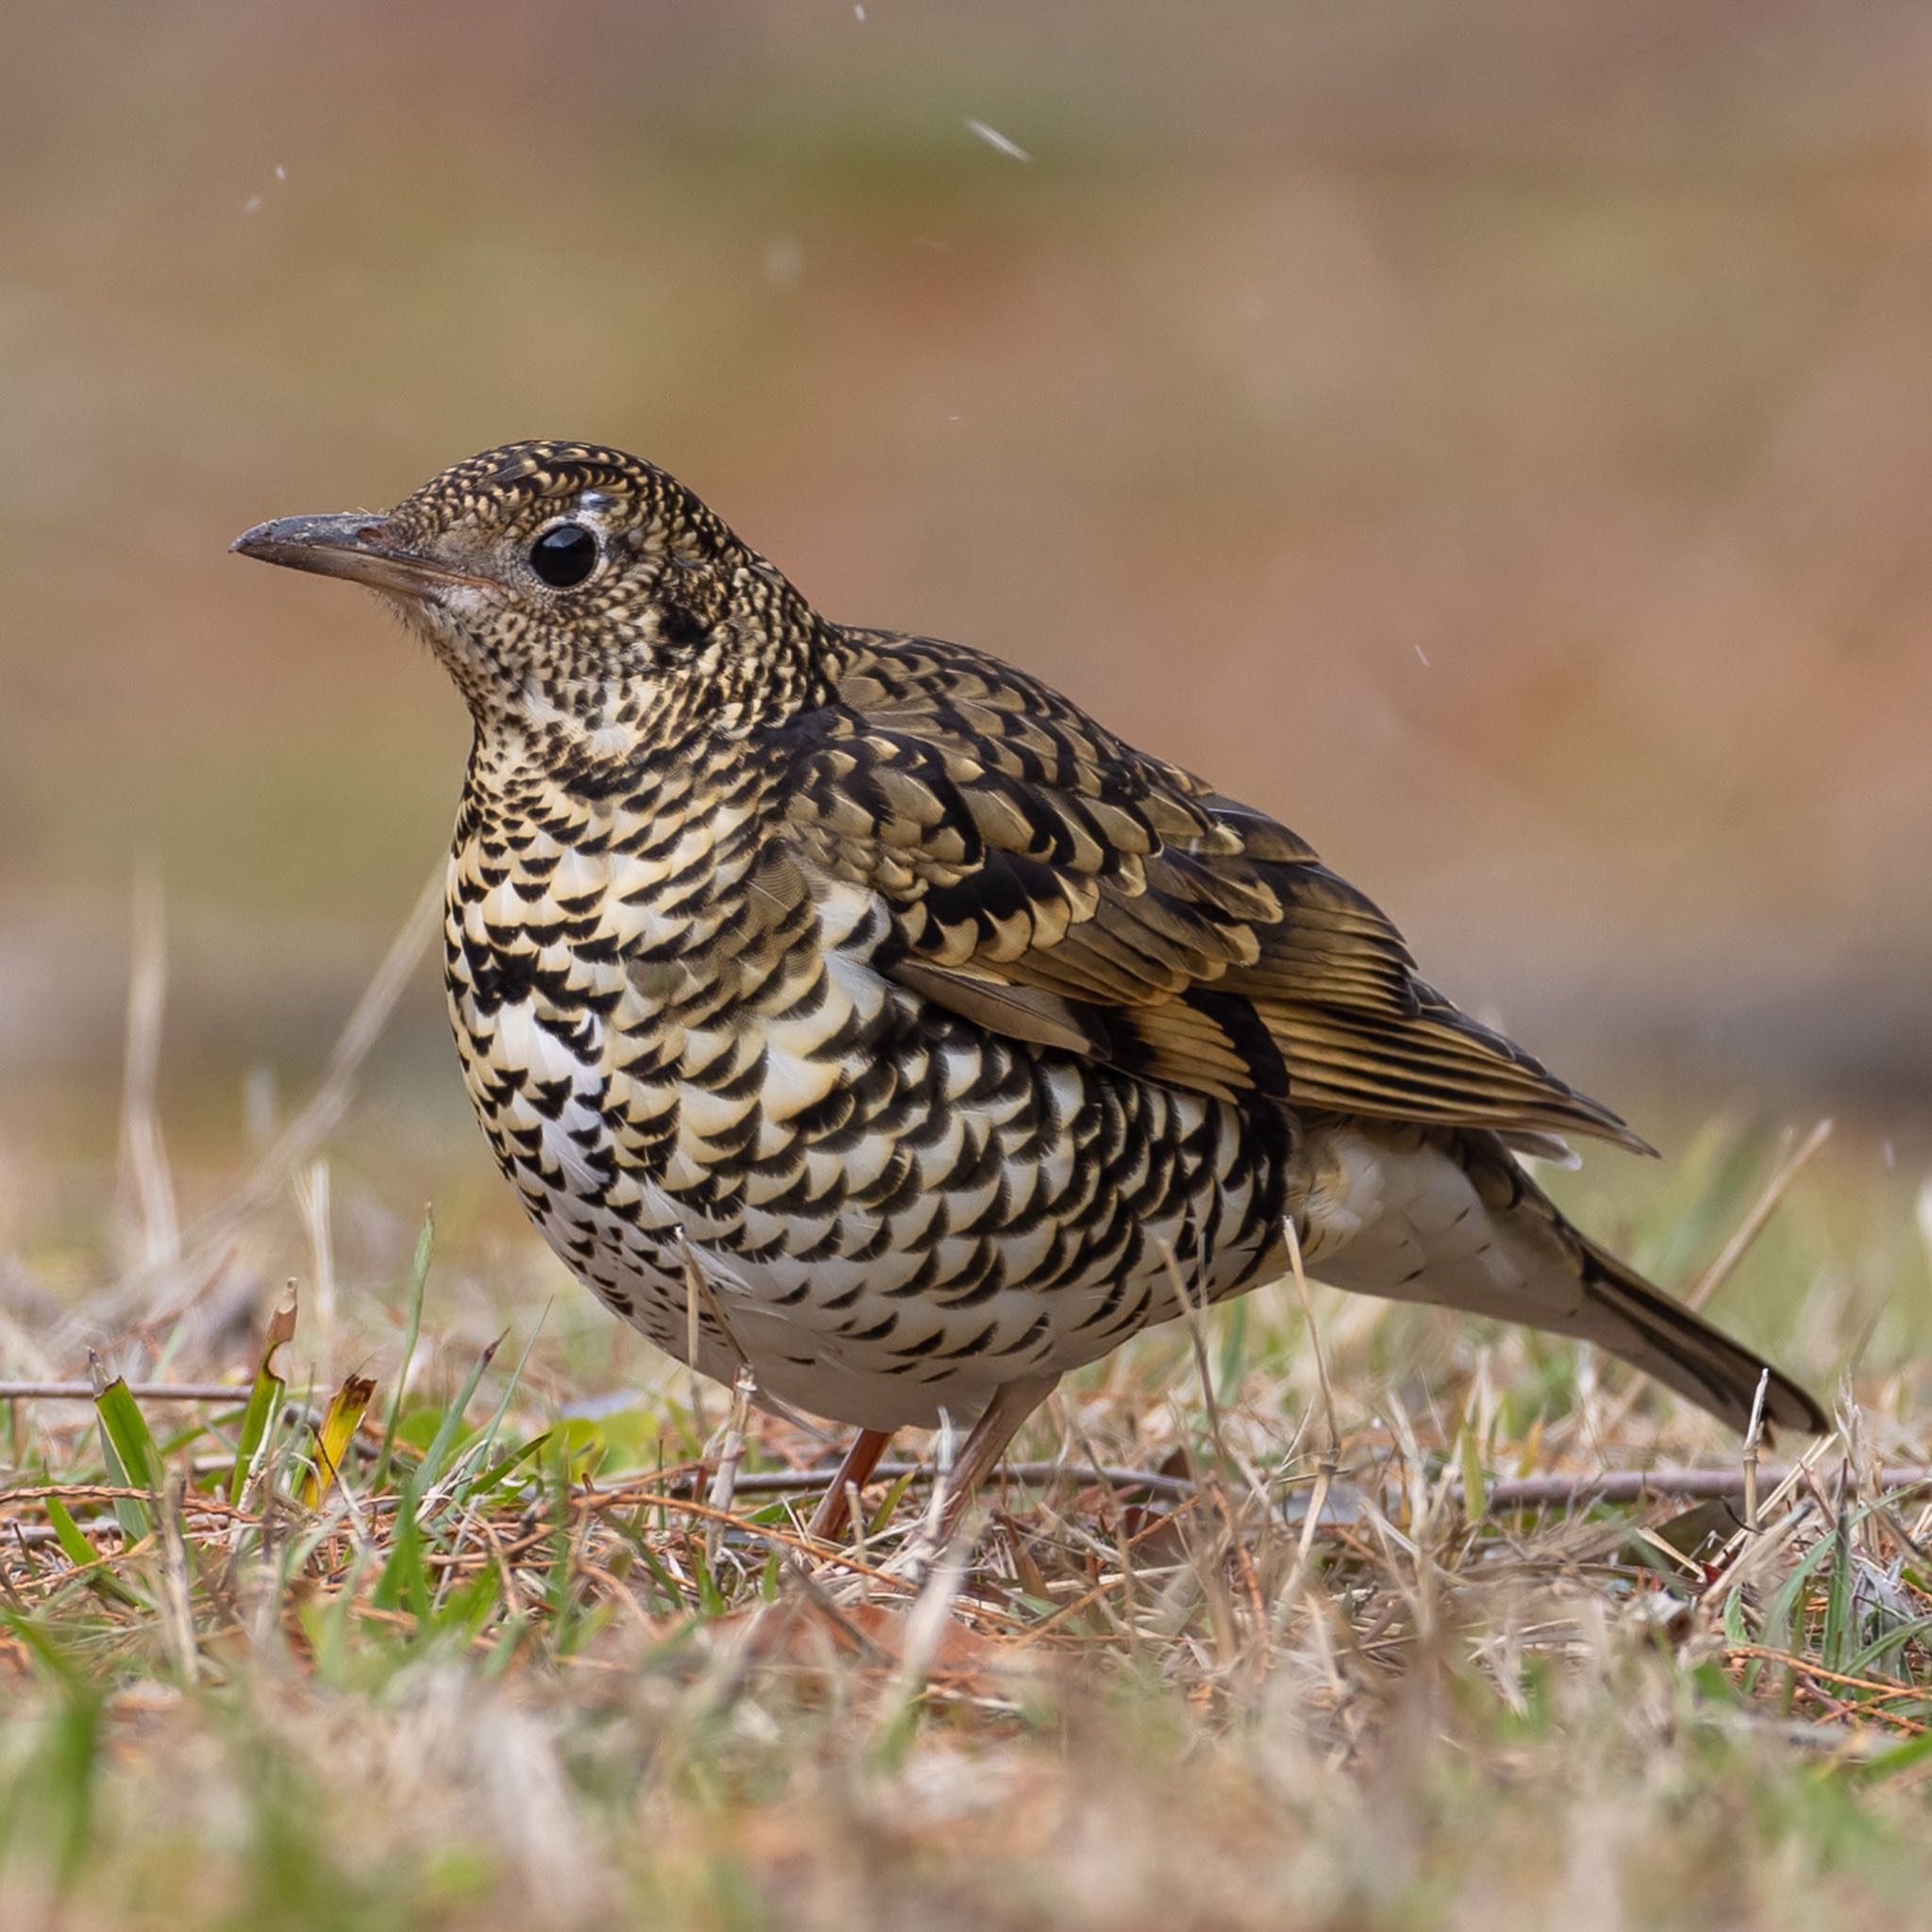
pixel 657 998
pixel 677 1037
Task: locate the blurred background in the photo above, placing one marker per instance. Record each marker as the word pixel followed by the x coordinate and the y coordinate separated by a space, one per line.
pixel 1496 438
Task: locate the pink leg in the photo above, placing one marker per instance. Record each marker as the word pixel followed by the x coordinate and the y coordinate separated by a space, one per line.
pixel 828 1519
pixel 1011 1406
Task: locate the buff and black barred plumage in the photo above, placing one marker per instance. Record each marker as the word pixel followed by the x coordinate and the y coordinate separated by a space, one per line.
pixel 932 1026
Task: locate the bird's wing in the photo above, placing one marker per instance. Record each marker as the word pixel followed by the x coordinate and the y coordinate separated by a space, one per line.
pixel 1053 884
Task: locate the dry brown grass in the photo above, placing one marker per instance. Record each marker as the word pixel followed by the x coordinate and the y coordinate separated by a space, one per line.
pixel 1493 437
pixel 495 1645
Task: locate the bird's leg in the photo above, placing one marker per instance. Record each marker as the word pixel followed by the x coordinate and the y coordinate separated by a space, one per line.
pixel 1013 1402
pixel 828 1519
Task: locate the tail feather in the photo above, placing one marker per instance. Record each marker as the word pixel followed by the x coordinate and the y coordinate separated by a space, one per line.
pixel 1447 1216
pixel 1646 1328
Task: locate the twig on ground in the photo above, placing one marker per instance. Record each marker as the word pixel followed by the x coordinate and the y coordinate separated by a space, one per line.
pixel 1500 1498
pixel 723 1485
pixel 236 1392
pixel 133 1296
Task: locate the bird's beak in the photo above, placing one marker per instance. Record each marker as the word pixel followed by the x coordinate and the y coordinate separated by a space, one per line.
pixel 363 548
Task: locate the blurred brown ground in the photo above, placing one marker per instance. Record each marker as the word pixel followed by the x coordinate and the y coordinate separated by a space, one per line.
pixel 1496 438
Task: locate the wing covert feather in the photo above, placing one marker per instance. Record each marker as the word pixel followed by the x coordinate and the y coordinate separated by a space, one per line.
pixel 1049 882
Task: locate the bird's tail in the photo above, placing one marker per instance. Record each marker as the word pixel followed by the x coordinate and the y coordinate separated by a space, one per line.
pixel 1447 1216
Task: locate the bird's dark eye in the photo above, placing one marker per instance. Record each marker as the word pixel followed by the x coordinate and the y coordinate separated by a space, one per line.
pixel 564 555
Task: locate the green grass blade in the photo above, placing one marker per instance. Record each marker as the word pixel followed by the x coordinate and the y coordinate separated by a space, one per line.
pixel 405 1583
pixel 1840 1634
pixel 264 1401
pixel 77 1547
pixel 1872 1658
pixel 438 1452
pixel 419 1278
pixel 504 1464
pixel 486 1439
pixel 128 1448
pixel 1906 1756
pixel 133 1441
pixel 1781 1608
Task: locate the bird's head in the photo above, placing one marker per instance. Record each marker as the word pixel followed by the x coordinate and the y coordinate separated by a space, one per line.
pixel 575 592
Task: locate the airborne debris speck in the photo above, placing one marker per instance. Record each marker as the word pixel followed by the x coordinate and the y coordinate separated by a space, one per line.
pixel 249 207
pixel 993 138
pixel 858 14
pixel 281 173
pixel 784 261
pixel 1423 656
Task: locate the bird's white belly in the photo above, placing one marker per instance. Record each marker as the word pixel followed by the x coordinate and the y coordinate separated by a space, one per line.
pixel 962 1242
pixel 891 1211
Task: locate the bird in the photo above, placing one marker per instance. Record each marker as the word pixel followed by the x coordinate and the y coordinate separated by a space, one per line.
pixel 852 1011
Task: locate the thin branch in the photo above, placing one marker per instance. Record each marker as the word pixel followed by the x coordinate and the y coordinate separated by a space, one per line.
pixel 1500 1498
pixel 142 1391
pixel 1634 1484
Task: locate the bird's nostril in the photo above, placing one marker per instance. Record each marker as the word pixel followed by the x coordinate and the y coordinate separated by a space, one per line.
pixel 368 533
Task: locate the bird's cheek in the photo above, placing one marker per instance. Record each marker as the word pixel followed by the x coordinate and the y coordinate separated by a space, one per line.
pixel 470 606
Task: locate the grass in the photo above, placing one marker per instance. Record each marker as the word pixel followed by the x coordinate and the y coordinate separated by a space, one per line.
pixel 401 1602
